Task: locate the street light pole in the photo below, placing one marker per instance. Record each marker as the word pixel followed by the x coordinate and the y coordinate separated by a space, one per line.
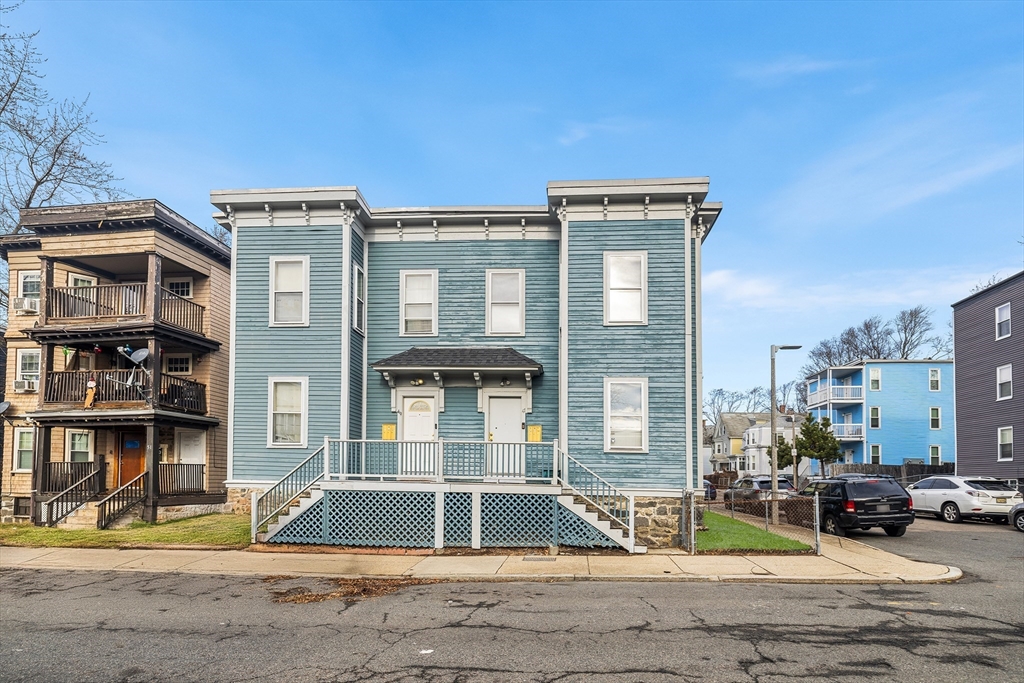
pixel 772 441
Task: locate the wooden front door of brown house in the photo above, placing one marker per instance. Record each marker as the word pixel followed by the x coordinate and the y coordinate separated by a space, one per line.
pixel 131 456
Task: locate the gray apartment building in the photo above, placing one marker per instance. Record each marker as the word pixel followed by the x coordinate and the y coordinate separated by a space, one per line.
pixel 989 379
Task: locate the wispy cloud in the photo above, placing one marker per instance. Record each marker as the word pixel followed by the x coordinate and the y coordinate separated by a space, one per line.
pixel 898 160
pixel 576 131
pixel 861 291
pixel 781 70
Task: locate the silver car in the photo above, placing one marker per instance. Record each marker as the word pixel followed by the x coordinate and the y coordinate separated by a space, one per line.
pixel 954 498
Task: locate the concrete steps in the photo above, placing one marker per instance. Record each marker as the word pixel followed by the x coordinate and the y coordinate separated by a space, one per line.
pixel 87 516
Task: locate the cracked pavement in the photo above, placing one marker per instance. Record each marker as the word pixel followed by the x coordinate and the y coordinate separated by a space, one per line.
pixel 134 626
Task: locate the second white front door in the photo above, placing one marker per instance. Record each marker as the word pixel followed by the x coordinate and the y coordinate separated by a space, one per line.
pixel 505 419
pixel 418 418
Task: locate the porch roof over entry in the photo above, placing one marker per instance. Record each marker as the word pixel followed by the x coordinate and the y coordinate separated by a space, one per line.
pixel 466 358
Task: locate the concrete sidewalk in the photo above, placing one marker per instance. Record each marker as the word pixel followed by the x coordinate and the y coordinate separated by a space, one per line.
pixel 842 561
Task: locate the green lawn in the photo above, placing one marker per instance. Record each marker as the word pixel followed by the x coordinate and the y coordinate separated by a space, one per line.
pixel 230 531
pixel 725 533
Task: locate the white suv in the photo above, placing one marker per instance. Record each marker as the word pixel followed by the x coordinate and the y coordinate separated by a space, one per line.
pixel 954 498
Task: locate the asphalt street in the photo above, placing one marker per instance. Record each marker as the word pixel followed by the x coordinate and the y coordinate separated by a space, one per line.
pixel 119 626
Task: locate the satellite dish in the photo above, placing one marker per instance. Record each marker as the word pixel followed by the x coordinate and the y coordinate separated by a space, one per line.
pixel 139 356
pixel 4 406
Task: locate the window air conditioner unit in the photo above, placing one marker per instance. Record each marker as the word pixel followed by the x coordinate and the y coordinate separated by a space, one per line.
pixel 26 386
pixel 24 304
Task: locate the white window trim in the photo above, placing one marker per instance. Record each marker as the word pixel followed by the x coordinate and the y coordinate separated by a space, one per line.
pixel 21 281
pixel 999 443
pixel 938 372
pixel 1008 318
pixel 879 409
pixel 939 448
pixel 872 371
pixel 358 325
pixel 643 288
pixel 402 274
pixel 522 302
pixel 1004 398
pixel 14 450
pixel 645 444
pixel 17 363
pixel 93 280
pixel 303 380
pixel 869 455
pixel 930 409
pixel 168 356
pixel 274 260
pixel 67 443
pixel 189 280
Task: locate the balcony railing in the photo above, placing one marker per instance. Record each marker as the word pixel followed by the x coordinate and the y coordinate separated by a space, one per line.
pixel 98 301
pixel 179 311
pixel 837 393
pixel 181 478
pixel 184 394
pixel 124 386
pixel 844 430
pixel 123 301
pixel 58 476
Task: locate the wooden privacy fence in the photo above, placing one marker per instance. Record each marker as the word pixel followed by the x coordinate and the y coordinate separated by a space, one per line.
pixel 907 473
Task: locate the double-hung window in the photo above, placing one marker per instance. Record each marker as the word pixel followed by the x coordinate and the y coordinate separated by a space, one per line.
pixel 28 364
pixel 625 288
pixel 1003 321
pixel 288 406
pixel 876 453
pixel 875 379
pixel 625 414
pixel 358 298
pixel 418 303
pixel 935 455
pixel 935 418
pixel 1004 382
pixel 23 443
pixel 1005 443
pixel 289 291
pixel 875 417
pixel 934 379
pixel 28 284
pixel 79 445
pixel 506 302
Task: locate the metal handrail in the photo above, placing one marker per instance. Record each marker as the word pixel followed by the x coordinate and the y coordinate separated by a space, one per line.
pixel 280 495
pixel 124 497
pixel 70 499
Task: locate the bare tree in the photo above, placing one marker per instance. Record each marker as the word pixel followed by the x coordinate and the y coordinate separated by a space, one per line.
pixel 220 233
pixel 910 330
pixel 942 344
pixel 44 143
pixel 985 284
pixel 874 338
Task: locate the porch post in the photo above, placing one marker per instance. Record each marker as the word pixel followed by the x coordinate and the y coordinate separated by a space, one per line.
pixel 154 280
pixel 45 368
pixel 45 282
pixel 439 472
pixel 475 543
pixel 40 459
pixel 554 462
pixel 439 518
pixel 153 468
pixel 155 365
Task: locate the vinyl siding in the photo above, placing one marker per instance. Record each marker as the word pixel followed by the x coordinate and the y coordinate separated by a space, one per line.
pixel 905 402
pixel 461 322
pixel 263 351
pixel 978 354
pixel 656 351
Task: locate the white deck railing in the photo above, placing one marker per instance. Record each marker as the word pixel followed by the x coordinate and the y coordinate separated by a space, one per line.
pixel 844 430
pixel 838 393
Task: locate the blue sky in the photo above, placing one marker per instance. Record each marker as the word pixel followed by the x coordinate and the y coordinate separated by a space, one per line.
pixel 870 156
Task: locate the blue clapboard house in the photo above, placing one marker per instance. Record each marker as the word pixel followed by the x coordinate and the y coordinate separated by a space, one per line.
pixel 888 412
pixel 471 375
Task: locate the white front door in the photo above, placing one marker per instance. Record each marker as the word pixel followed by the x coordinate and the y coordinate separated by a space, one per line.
pixel 418 426
pixel 191 446
pixel 505 436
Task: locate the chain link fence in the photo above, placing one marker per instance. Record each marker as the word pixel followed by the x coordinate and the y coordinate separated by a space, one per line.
pixel 788 523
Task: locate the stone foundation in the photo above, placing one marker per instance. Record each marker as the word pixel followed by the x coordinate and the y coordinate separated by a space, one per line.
pixel 169 512
pixel 240 501
pixel 656 523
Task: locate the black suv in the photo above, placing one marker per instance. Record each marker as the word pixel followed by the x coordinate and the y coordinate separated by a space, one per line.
pixel 852 502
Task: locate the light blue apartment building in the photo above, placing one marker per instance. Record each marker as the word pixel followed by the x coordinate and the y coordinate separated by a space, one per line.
pixel 469 375
pixel 888 412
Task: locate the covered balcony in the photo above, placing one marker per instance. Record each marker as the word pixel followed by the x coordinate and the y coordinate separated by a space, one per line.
pixel 836 393
pixel 121 303
pixel 848 431
pixel 122 389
